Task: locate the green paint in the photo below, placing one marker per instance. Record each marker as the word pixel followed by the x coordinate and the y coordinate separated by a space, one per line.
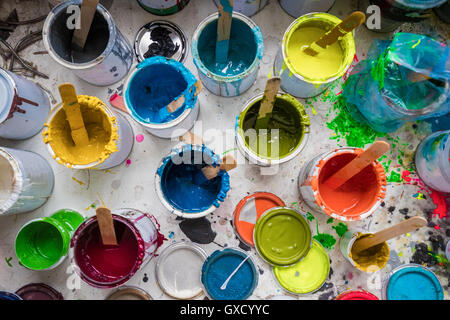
pixel 325 239
pixel 288 116
pixel 282 236
pixel 341 228
pixel 41 243
pixel 309 216
pixel 330 220
pixel 394 177
pixel 8 261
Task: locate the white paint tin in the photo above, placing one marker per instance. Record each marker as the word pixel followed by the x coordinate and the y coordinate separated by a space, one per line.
pixel 247 7
pixel 108 59
pixel 228 86
pixel 26 181
pixel 297 8
pixel 24 106
pixel 163 7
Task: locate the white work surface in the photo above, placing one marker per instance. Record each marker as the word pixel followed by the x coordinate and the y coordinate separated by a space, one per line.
pixel 133 186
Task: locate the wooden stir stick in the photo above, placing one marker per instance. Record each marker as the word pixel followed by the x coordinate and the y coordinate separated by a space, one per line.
pixel 88 9
pixel 106 225
pixel 224 30
pixel 389 233
pixel 178 103
pixel 267 103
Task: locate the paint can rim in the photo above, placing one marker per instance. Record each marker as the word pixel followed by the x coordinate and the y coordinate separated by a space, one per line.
pixel 136 291
pixel 362 294
pixel 43 288
pixel 18 180
pixel 4 113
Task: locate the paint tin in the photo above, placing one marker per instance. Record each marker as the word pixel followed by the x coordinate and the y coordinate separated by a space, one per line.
pixel 412 282
pixel 39 291
pixel 177 190
pixel 248 211
pixel 432 161
pixel 115 147
pixel 447 250
pixel 139 238
pixel 42 244
pixel 9 296
pixel 308 275
pixel 26 181
pixel 107 56
pixel 291 120
pixel 248 8
pixel 129 293
pixel 356 295
pixel 161 38
pixel 144 101
pixel 282 236
pixel 295 80
pixel 178 270
pixel 298 8
pixel 23 107
pixel 359 197
pixel 367 263
pixel 217 269
pixel 245 38
pixel 163 7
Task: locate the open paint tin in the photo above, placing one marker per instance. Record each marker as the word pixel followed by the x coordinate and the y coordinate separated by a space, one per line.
pixel 304 76
pixel 39 291
pixel 129 293
pixel 370 260
pixel 248 8
pixel 177 188
pixel 220 265
pixel 161 38
pixel 306 276
pixel 297 8
pixel 286 136
pixel 248 211
pixel 282 236
pixel 238 74
pixel 356 295
pixel 412 282
pixel 357 199
pixel 26 181
pixel 178 270
pixel 113 132
pixel 103 266
pixel 9 296
pixel 163 7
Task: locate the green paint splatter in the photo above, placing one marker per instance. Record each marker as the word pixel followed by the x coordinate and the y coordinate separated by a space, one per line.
pixel 327 240
pixel 331 220
pixel 341 228
pixel 394 177
pixel 8 261
pixel 93 205
pixel 309 216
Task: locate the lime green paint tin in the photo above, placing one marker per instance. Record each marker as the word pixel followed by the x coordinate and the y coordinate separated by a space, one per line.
pixel 282 236
pixel 43 243
pixel 308 275
pixel 288 117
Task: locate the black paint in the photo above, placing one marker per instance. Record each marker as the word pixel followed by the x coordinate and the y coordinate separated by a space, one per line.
pixel 391 209
pixel 162 44
pixel 198 230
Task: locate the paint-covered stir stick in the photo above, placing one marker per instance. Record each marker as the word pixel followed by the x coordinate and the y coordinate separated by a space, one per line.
pixel 389 233
pixel 73 114
pixel 267 103
pixel 348 25
pixel 106 225
pixel 224 285
pixel 210 172
pixel 88 9
pixel 224 30
pixel 355 166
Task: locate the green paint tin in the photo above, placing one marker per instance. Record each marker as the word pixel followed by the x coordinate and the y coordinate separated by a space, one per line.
pixel 282 236
pixel 287 133
pixel 42 244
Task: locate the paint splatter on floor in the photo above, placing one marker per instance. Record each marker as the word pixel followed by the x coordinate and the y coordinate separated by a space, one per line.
pixel 80 182
pixel 198 230
pixel 341 228
pixel 8 261
pixel 140 138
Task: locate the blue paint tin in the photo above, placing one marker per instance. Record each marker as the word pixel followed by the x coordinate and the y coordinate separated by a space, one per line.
pixel 107 56
pixel 177 189
pixel 244 57
pixel 246 7
pixel 218 268
pixel 9 296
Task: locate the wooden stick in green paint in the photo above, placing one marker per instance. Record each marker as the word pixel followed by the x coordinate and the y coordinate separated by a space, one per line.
pixel 224 29
pixel 267 103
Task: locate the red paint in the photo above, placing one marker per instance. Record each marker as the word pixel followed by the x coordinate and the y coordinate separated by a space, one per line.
pixel 405 175
pixel 437 227
pixel 441 205
pixel 356 295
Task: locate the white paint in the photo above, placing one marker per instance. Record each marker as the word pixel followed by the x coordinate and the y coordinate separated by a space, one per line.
pixel 6 182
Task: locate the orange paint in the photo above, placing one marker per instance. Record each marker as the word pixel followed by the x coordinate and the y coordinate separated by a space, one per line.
pixel 356 196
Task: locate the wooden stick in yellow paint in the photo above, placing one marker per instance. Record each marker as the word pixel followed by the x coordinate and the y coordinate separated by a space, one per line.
pixel 73 114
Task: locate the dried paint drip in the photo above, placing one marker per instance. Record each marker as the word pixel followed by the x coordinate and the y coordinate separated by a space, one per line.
pixel 198 230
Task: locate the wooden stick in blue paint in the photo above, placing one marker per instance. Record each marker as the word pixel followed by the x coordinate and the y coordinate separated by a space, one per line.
pixel 224 29
pixel 210 172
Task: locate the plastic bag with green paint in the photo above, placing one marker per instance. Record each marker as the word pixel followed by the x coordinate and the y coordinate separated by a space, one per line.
pixel 403 80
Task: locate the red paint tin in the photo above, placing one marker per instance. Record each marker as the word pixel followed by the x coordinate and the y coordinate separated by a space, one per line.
pixel 356 295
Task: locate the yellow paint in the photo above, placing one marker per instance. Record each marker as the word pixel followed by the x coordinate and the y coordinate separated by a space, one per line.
pixel 102 130
pixel 372 259
pixel 80 182
pixel 322 66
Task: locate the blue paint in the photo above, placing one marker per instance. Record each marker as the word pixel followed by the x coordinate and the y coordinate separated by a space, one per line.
pixel 157 82
pixel 219 266
pixel 178 172
pixel 9 296
pixel 414 283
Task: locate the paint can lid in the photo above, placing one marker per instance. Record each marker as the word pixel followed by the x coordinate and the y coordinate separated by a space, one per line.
pixel 129 293
pixel 178 270
pixel 308 275
pixel 9 296
pixel 161 38
pixel 356 295
pixel 218 268
pixel 6 94
pixel 249 209
pixel 39 291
